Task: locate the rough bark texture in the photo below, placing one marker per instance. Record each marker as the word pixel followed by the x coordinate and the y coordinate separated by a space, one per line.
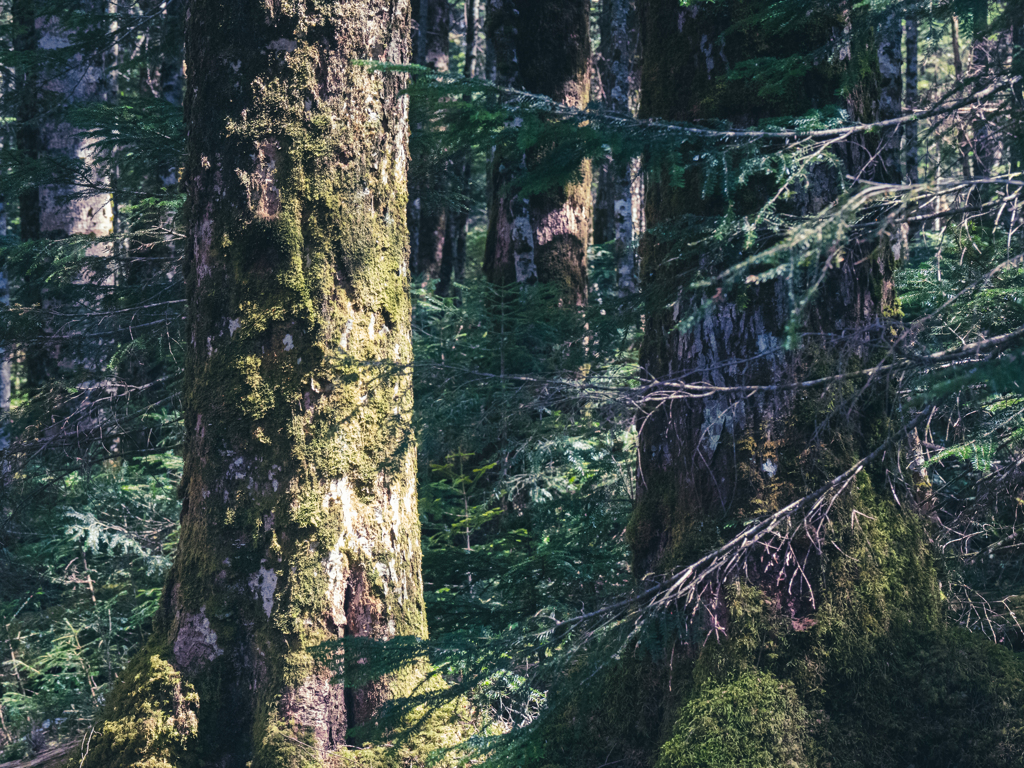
pixel 542 46
pixel 618 210
pixel 299 520
pixel 823 649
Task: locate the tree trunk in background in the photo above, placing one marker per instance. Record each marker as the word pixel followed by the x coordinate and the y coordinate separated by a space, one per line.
pixel 428 206
pixel 984 53
pixel 1017 38
pixel 911 102
pixel 453 265
pixel 618 210
pixel 45 92
pixel 299 521
pixel 542 46
pixel 5 357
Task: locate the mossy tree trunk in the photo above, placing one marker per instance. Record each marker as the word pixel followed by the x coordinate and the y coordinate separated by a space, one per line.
pixel 299 521
pixel 618 209
pixel 822 631
pixel 542 46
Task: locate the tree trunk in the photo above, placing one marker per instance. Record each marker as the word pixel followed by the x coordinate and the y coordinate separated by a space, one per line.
pixel 453 265
pixel 46 88
pixel 1016 17
pixel 431 28
pixel 299 521
pixel 542 46
pixel 825 626
pixel 911 102
pixel 618 210
pixel 984 55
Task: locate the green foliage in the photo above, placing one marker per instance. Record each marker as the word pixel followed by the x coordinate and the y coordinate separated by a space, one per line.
pixel 79 587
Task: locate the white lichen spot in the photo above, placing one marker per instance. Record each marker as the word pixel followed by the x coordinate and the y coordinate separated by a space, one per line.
pixel 289 345
pixel 233 325
pixel 344 335
pixel 195 642
pixel 770 467
pixel 282 44
pixel 373 320
pixel 336 566
pixel 264 583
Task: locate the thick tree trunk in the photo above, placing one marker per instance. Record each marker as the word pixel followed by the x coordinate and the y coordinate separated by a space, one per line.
pixel 824 625
pixel 542 46
pixel 299 521
pixel 618 210
pixel 711 459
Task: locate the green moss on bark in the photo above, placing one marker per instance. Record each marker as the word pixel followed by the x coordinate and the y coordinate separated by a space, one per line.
pixel 151 719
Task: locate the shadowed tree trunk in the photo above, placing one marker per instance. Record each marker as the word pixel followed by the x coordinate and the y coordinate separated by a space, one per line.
pixel 912 101
pixel 453 264
pixel 47 86
pixel 818 631
pixel 299 521
pixel 542 46
pixel 618 210
pixel 984 54
pixel 1017 38
pixel 428 205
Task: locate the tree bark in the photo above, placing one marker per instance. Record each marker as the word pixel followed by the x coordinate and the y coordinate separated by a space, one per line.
pixel 618 210
pixel 431 28
pixel 542 47
pixel 453 264
pixel 912 99
pixel 299 521
pixel 46 88
pixel 1017 139
pixel 709 465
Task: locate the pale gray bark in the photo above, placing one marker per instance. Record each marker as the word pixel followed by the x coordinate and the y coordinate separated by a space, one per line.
pixel 542 46
pixel 618 209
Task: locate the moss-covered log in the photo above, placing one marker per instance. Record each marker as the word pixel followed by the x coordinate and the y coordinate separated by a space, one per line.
pixel 299 521
pixel 542 46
